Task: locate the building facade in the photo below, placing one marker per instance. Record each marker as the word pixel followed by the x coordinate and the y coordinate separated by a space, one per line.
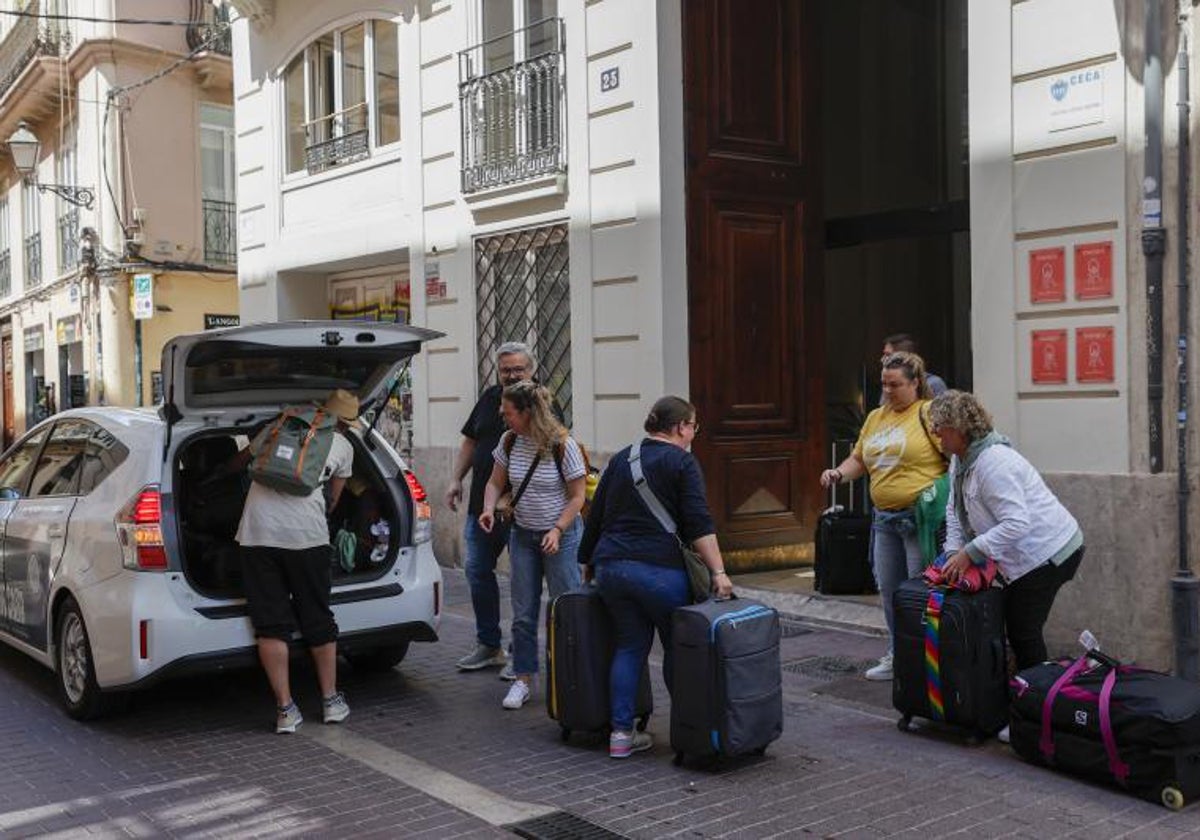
pixel 668 197
pixel 148 138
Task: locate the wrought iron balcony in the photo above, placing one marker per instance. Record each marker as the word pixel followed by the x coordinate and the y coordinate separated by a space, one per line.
pixel 33 260
pixel 68 241
pixel 513 112
pixel 220 231
pixel 338 138
pixel 213 28
pixel 5 273
pixel 29 38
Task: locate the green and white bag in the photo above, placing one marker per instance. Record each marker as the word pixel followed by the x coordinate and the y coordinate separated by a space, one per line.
pixel 290 453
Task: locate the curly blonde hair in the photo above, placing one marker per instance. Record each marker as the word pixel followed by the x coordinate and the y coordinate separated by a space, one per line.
pixel 962 411
pixel 544 428
pixel 913 368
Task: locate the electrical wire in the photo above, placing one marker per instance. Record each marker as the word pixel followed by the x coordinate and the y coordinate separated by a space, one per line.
pixel 86 19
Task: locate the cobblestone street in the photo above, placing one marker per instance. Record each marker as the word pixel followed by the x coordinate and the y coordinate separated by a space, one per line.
pixel 429 752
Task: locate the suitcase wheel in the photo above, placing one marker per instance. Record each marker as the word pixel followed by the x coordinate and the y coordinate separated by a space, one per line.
pixel 1172 797
pixel 643 722
pixel 564 733
pixel 903 723
pixel 678 760
pixel 761 751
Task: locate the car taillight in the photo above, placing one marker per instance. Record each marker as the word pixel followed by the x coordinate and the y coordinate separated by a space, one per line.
pixel 423 527
pixel 139 529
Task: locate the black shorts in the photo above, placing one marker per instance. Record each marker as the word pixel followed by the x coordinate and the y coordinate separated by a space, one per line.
pixel 289 586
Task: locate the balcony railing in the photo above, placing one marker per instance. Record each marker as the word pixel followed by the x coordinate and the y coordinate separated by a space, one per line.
pixel 337 138
pixel 33 260
pixel 5 273
pixel 213 28
pixel 30 37
pixel 220 231
pixel 68 241
pixel 513 113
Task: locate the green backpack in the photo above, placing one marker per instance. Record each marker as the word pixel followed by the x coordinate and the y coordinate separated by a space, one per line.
pixel 290 453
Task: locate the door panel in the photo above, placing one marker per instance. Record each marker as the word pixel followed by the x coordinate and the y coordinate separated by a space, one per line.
pixel 754 286
pixel 33 544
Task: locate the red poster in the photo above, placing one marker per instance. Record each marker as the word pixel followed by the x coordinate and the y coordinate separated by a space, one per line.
pixel 1094 355
pixel 1093 271
pixel 1048 275
pixel 1048 357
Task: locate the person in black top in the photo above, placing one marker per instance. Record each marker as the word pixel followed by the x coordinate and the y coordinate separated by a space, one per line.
pixel 637 565
pixel 481 434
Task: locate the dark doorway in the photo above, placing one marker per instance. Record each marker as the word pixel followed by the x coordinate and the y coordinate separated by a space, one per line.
pixel 895 178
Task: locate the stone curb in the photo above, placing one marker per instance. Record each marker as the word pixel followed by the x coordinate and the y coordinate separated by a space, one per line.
pixel 829 612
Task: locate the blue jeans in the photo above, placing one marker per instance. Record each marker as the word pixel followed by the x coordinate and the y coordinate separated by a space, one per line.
pixel 483 550
pixel 640 597
pixel 895 557
pixel 529 564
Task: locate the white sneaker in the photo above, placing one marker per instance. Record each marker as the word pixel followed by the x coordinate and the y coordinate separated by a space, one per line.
pixel 518 695
pixel 882 671
pixel 1002 735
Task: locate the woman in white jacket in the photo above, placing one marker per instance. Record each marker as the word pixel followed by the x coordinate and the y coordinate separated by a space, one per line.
pixel 1000 507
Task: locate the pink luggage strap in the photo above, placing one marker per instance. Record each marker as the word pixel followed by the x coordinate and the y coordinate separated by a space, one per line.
pixel 1116 766
pixel 1120 769
pixel 1046 743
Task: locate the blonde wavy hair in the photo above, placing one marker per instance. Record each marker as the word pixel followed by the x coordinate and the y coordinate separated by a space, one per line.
pixel 544 428
pixel 962 411
pixel 913 368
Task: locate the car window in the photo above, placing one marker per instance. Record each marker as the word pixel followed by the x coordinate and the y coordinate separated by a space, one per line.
pixel 14 470
pixel 61 462
pixel 102 454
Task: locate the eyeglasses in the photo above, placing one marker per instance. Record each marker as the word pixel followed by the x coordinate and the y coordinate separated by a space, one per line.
pixel 695 424
pixel 512 371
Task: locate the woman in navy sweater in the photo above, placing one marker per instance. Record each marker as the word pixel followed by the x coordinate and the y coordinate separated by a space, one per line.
pixel 637 565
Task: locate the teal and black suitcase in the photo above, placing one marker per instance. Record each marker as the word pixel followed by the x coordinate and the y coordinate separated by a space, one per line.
pixel 727 692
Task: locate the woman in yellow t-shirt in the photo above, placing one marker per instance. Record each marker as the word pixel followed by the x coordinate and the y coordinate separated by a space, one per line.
pixel 901 459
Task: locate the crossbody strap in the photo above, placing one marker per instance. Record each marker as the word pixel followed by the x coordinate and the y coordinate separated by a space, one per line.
pixel 516 497
pixel 648 498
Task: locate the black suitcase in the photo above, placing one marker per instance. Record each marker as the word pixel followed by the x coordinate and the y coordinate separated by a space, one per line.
pixel 579 651
pixel 971 676
pixel 842 543
pixel 727 693
pixel 1144 737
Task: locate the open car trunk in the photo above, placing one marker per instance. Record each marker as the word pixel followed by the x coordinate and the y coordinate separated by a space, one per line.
pixel 209 509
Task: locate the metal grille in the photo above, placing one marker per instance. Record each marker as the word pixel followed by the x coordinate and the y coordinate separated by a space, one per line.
pixel 522 288
pixel 220 231
pixel 512 118
pixel 68 240
pixel 33 259
pixel 329 153
pixel 5 273
pixel 561 825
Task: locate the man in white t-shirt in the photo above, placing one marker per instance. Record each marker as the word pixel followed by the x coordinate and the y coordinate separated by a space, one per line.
pixel 286 561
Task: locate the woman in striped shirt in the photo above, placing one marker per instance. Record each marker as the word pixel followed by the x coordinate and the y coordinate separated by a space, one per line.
pixel 546 471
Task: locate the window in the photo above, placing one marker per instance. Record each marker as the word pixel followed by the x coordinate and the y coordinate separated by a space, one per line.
pixel 515 31
pixel 61 462
pixel 66 172
pixel 5 251
pixel 31 208
pixel 102 454
pixel 217 184
pixel 333 115
pixel 522 285
pixel 14 471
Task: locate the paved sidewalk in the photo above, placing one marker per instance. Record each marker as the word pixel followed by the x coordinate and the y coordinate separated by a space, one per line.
pixel 197 758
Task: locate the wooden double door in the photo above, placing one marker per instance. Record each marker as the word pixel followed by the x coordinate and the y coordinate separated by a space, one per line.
pixel 754 233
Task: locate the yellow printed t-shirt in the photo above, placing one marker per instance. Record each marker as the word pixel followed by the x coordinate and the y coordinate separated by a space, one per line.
pixel 901 459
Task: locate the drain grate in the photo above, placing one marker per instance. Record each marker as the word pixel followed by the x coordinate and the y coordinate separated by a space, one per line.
pixel 562 825
pixel 828 667
pixel 789 628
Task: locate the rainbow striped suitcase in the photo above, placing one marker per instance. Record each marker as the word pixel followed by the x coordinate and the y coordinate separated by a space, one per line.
pixel 949 658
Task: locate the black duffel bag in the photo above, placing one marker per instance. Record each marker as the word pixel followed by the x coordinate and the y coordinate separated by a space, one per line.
pixel 1095 718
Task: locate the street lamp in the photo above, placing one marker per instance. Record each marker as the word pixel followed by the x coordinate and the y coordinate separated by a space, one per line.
pixel 24 147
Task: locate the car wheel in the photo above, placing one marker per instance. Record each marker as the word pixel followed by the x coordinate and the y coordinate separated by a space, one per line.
pixel 77 687
pixel 378 659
